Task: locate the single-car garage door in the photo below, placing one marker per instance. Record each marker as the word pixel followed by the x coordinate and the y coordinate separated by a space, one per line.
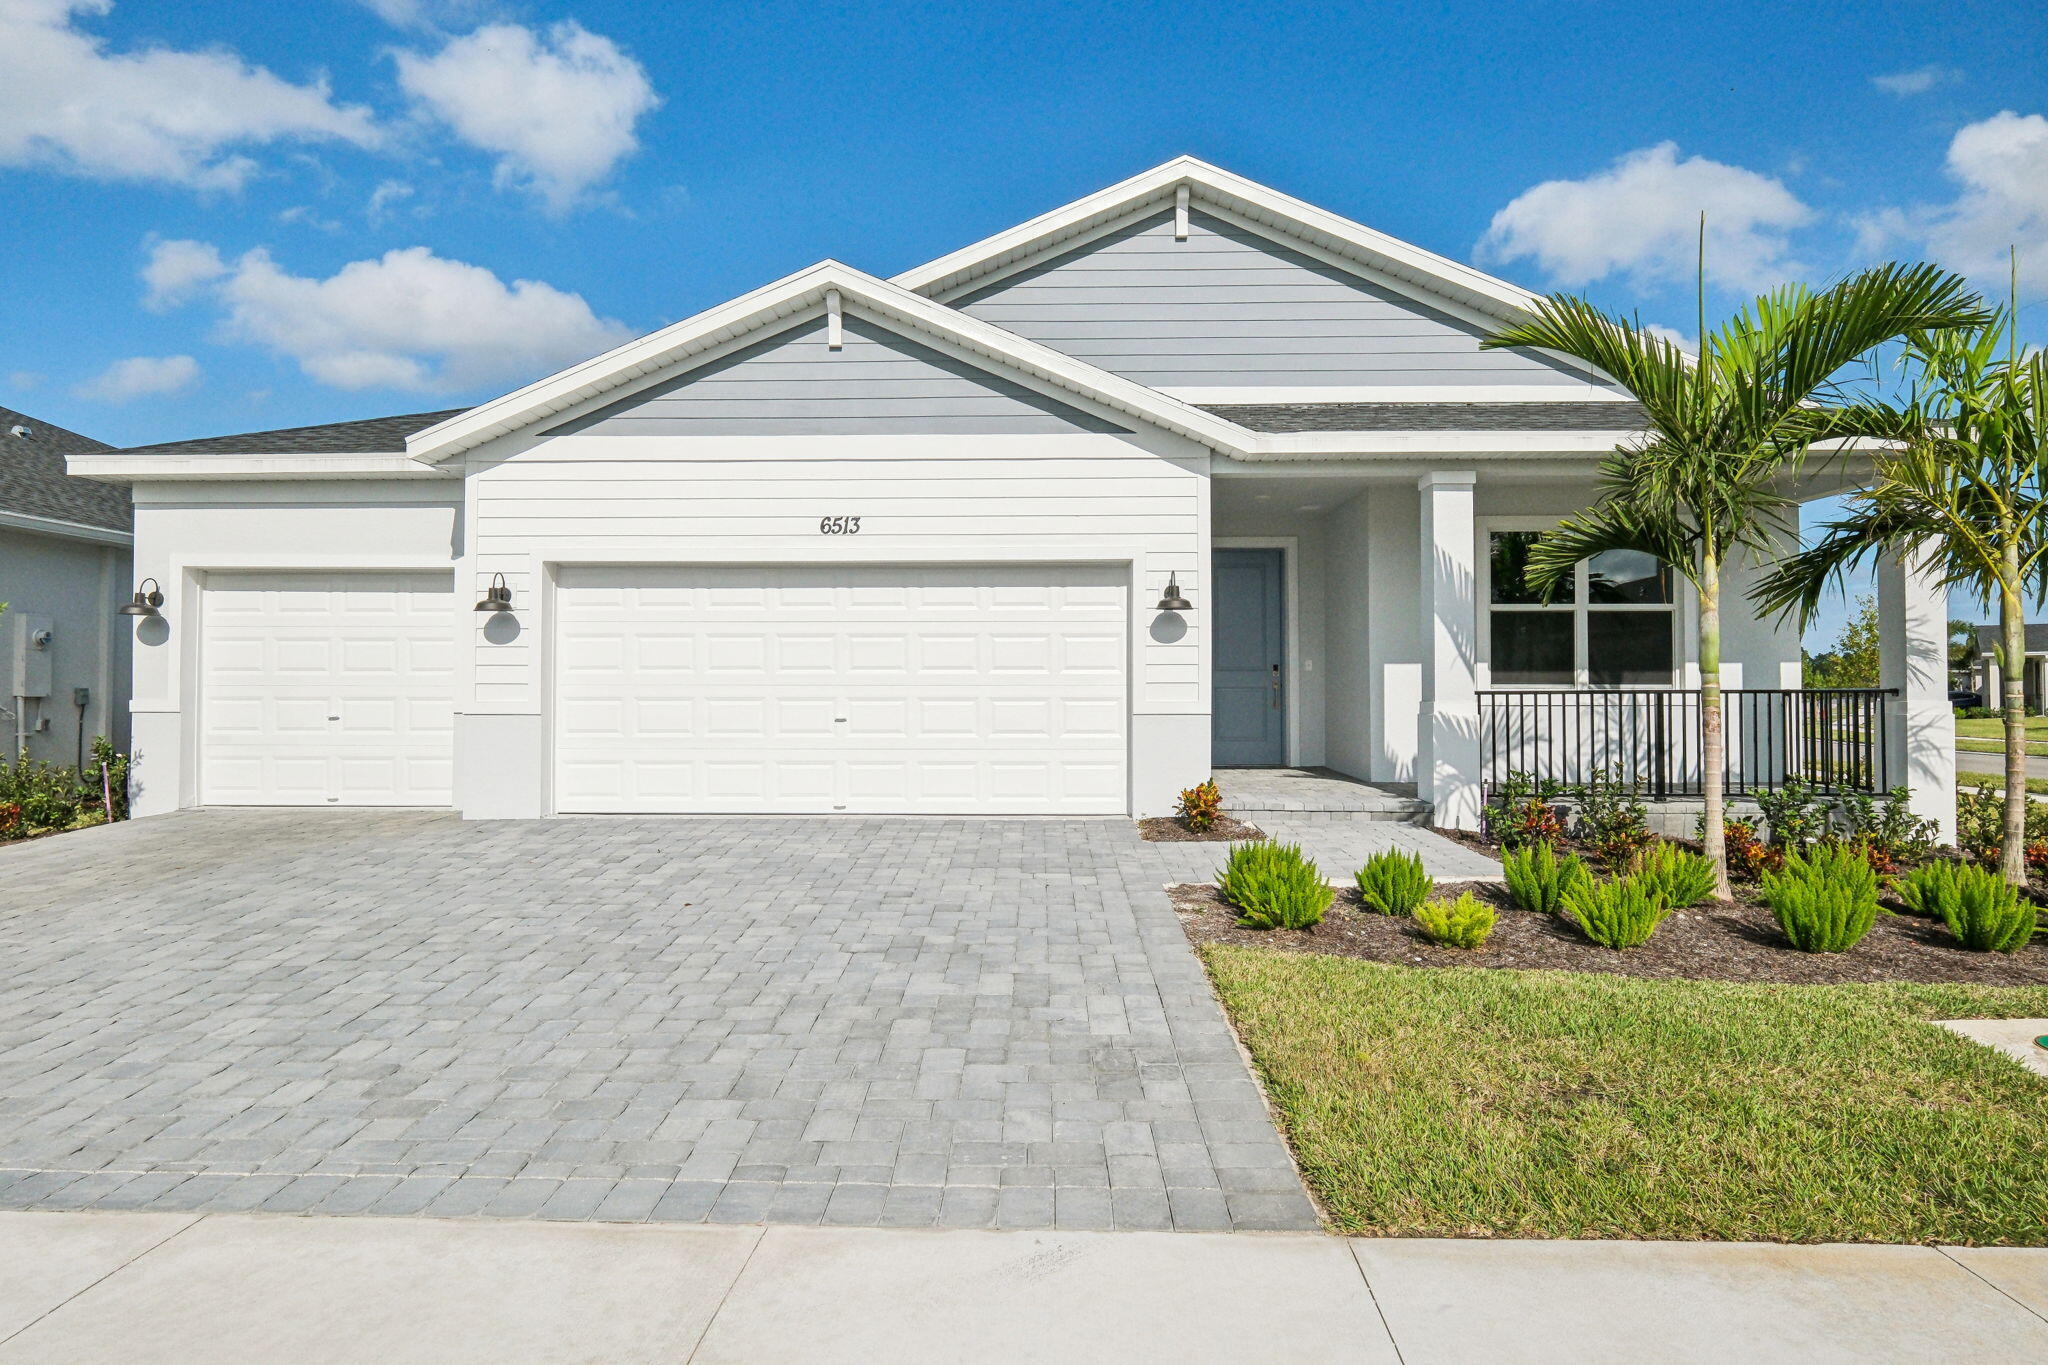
pixel 327 689
pixel 925 689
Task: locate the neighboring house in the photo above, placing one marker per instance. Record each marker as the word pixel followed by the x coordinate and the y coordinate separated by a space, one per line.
pixel 1186 473
pixel 1986 681
pixel 66 550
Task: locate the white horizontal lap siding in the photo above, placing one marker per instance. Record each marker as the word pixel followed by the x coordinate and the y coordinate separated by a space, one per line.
pixel 1230 307
pixel 1078 497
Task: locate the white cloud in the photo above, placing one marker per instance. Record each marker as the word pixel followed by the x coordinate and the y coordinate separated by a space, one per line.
pixel 387 193
pixel 23 380
pixel 153 114
pixel 557 108
pixel 139 376
pixel 406 320
pixel 176 270
pixel 2001 165
pixel 425 14
pixel 1672 335
pixel 1918 81
pixel 1640 217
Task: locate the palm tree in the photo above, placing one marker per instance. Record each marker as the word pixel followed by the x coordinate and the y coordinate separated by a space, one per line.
pixel 1963 494
pixel 1703 484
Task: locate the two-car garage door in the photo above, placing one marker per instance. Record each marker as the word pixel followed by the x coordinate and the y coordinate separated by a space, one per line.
pixel 990 689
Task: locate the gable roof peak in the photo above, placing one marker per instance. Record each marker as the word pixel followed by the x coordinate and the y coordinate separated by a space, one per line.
pixel 1372 252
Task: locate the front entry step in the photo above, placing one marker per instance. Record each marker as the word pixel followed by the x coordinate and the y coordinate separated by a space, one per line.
pixel 1317 794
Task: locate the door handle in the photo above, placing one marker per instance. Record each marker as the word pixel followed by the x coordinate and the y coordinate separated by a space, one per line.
pixel 1276 687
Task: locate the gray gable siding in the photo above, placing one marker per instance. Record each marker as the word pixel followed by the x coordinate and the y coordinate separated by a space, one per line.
pixel 1231 308
pixel 791 384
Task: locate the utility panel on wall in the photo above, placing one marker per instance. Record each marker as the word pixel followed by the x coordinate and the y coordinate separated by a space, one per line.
pixel 33 644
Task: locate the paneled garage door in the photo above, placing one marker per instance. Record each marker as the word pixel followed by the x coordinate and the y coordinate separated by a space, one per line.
pixel 323 689
pixel 883 688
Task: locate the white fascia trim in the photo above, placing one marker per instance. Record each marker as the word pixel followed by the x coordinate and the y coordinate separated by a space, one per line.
pixel 69 530
pixel 1589 392
pixel 800 295
pixel 1214 186
pixel 1340 445
pixel 120 468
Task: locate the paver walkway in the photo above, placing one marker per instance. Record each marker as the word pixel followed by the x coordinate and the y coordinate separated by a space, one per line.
pixel 142 1288
pixel 896 1022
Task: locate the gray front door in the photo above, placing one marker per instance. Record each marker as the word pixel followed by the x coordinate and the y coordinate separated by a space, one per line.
pixel 1249 726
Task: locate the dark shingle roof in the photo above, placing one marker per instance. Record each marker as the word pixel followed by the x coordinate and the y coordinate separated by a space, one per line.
pixel 2037 638
pixel 1559 416
pixel 33 481
pixel 367 436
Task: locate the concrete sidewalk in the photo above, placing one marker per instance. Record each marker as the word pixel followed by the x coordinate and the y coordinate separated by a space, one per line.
pixel 144 1287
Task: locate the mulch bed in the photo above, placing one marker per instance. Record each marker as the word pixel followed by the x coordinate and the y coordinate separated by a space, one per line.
pixel 1167 829
pixel 1706 943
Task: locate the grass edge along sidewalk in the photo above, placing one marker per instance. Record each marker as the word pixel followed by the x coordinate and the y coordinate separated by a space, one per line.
pixel 1456 1103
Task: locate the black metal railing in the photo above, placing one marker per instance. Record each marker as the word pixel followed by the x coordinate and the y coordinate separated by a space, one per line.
pixel 1830 738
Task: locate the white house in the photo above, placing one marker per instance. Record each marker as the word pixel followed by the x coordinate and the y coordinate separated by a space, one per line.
pixel 914 545
pixel 65 564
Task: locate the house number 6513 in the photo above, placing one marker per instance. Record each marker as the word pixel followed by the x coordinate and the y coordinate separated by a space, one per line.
pixel 839 526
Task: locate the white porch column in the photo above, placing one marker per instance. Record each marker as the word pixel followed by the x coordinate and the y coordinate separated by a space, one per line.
pixel 1912 627
pixel 1447 769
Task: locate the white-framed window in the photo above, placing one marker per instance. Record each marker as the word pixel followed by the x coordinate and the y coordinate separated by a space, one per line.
pixel 1616 625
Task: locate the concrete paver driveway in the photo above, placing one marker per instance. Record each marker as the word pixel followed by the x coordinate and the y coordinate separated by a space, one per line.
pixel 893 1022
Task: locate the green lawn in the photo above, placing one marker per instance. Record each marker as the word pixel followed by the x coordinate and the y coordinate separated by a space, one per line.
pixel 1458 1102
pixel 1996 782
pixel 1988 736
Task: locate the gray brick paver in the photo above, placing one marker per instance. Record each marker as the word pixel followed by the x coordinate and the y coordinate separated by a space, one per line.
pixel 962 1023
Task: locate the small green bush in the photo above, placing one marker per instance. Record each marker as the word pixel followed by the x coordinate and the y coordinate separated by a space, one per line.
pixel 1394 883
pixel 1274 887
pixel 1985 912
pixel 1538 879
pixel 1618 914
pixel 1930 886
pixel 1612 820
pixel 1825 899
pixel 1674 877
pixel 1462 923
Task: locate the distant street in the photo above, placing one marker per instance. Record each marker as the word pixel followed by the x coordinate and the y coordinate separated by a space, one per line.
pixel 1995 763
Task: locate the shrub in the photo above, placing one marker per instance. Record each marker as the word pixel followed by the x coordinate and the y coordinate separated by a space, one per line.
pixel 1523 810
pixel 1539 880
pixel 1611 819
pixel 1617 914
pixel 1394 883
pixel 1674 877
pixel 1887 831
pixel 1931 886
pixel 1980 821
pixel 1274 887
pixel 51 796
pixel 1825 900
pixel 12 825
pixel 1748 855
pixel 1794 815
pixel 1462 923
pixel 1200 805
pixel 1985 913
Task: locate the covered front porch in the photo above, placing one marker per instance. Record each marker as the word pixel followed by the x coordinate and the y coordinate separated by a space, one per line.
pixel 1373 622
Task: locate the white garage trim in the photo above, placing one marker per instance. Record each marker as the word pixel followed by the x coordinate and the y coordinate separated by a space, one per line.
pixel 325 687
pixel 824 688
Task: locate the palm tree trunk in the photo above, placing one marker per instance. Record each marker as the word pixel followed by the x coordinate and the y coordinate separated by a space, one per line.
pixel 1713 752
pixel 2012 669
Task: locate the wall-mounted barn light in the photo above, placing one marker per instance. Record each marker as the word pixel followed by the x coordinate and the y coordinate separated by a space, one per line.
pixel 1173 601
pixel 148 597
pixel 499 598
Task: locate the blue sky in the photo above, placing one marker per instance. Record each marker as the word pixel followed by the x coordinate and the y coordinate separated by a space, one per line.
pixel 234 214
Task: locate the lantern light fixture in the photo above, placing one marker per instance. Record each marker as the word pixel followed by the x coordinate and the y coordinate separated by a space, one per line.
pixel 148 597
pixel 1173 601
pixel 499 598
